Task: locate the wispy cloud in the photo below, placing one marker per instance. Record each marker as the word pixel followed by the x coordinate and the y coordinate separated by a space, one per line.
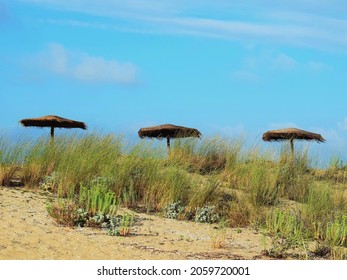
pixel 298 23
pixel 184 7
pixel 246 76
pixel 283 125
pixel 264 64
pixel 83 67
pixel 232 130
pixel 335 140
pixel 112 8
pixel 319 34
pixel 318 67
pixel 343 125
pixel 4 16
pixel 284 62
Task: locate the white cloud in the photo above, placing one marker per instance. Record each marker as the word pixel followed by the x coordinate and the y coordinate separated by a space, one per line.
pixel 298 23
pixel 316 66
pixel 343 124
pixel 333 138
pixel 235 132
pixel 284 62
pixel 265 64
pixel 194 6
pixel 283 125
pixel 247 76
pixel 112 8
pixel 86 68
pixel 256 68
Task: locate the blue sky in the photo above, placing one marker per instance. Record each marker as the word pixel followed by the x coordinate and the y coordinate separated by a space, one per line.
pixel 230 68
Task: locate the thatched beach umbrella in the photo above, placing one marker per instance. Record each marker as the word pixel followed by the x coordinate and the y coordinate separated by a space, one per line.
pixel 52 122
pixel 168 131
pixel 292 134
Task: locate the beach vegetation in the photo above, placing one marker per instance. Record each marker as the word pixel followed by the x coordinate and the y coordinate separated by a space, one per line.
pixel 300 206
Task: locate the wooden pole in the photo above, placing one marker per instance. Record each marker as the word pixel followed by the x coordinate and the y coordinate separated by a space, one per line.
pixel 52 132
pixel 52 148
pixel 292 146
pixel 168 145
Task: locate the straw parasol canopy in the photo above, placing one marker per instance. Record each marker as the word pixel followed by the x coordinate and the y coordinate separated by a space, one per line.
pixel 168 131
pixel 292 134
pixel 52 122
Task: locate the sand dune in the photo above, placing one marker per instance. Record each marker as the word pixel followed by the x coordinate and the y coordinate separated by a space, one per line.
pixel 28 232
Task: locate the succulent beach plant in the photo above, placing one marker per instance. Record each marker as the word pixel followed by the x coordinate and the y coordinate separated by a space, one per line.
pixel 49 182
pixel 207 214
pixel 121 225
pixel 173 210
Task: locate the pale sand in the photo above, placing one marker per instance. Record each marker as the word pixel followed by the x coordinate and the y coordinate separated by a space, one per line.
pixel 28 232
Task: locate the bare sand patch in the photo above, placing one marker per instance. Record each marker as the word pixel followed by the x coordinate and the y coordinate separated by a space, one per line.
pixel 27 232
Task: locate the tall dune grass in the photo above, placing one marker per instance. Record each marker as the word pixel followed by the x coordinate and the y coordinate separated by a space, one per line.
pixel 245 185
pixel 11 156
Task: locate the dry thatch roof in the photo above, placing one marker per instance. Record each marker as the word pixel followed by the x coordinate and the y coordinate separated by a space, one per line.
pixel 52 121
pixel 291 134
pixel 169 131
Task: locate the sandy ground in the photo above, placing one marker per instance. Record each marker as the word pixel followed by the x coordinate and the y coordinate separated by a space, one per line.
pixel 28 232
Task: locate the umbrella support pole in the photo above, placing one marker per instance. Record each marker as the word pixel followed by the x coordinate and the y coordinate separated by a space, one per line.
pixel 168 145
pixel 292 146
pixel 52 132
